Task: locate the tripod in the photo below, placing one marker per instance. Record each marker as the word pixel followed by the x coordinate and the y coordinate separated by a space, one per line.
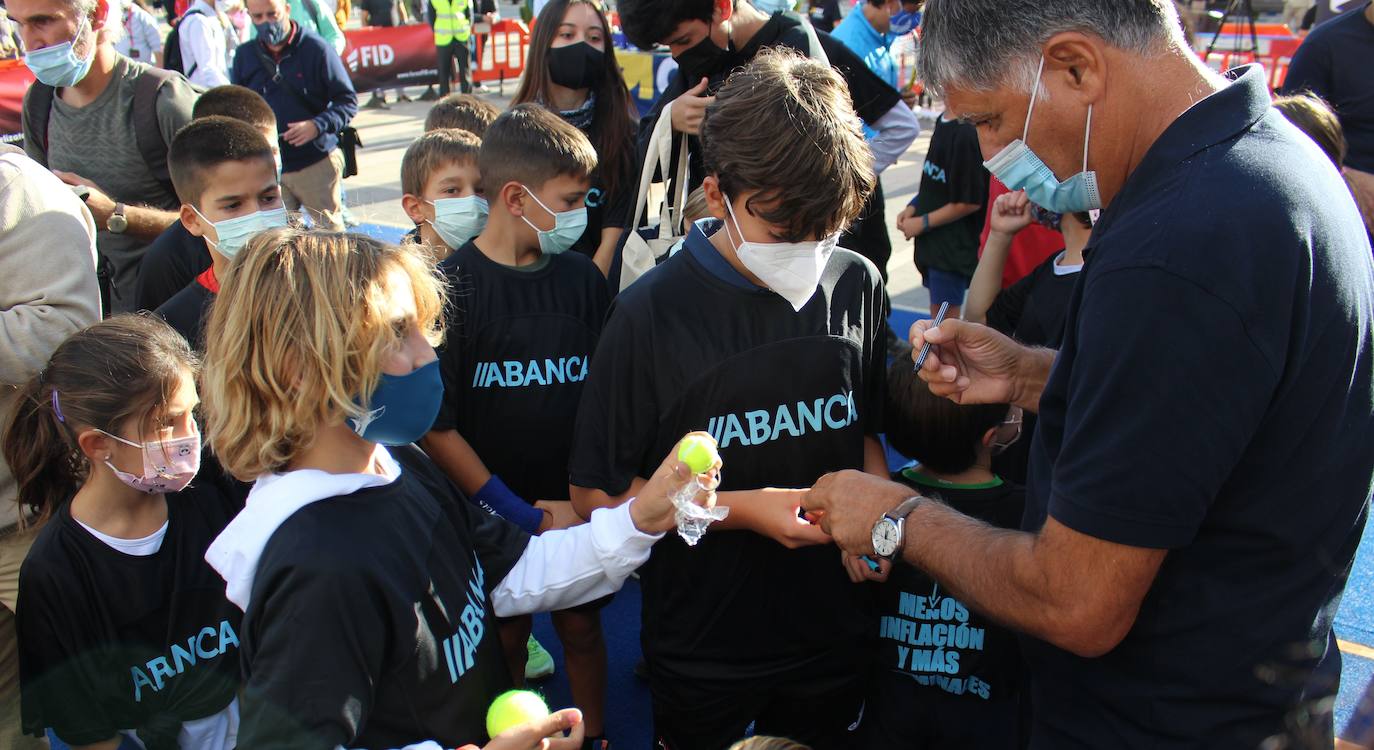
pixel 1237 9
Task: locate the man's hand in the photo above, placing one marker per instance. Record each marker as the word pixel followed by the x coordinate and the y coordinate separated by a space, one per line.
pixel 973 364
pixel 1010 213
pixel 689 108
pixel 859 570
pixel 558 514
pixel 848 504
pixel 98 203
pixel 301 133
pixel 536 734
pixel 776 514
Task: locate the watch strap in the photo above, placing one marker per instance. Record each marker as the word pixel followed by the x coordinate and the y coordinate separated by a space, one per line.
pixel 902 511
pixel 925 222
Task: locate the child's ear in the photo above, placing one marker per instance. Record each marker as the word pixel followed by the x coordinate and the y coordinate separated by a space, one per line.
pixel 192 221
pixel 414 208
pixel 512 196
pixel 95 446
pixel 990 437
pixel 715 198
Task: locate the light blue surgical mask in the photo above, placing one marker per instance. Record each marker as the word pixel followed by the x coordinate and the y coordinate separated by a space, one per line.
pixel 234 233
pixel 769 7
pixel 1020 169
pixel 458 220
pixel 568 227
pixel 57 65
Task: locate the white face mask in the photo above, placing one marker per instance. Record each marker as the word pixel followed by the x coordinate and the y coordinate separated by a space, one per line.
pixel 791 269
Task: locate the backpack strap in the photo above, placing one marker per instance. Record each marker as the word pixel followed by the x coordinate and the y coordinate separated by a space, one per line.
pixel 147 129
pixel 38 109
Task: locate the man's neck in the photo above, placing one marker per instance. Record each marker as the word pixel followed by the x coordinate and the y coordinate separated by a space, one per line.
pixel 502 242
pixel 97 79
pixel 1175 83
pixel 744 24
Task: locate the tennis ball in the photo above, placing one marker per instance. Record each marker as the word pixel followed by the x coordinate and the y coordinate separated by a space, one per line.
pixel 513 708
pixel 699 453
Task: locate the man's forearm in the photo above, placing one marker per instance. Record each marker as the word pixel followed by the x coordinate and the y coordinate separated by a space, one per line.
pixel 1034 371
pixel 145 222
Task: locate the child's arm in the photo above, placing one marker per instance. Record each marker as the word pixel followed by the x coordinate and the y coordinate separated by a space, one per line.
pixel 1010 213
pixel 451 453
pixel 914 226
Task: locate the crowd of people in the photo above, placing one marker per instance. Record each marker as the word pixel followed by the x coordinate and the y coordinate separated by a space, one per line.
pixel 269 483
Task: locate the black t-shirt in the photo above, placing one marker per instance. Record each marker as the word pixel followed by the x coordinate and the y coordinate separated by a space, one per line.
pixel 187 311
pixel 789 396
pixel 1214 396
pixel 111 641
pixel 608 211
pixel 173 260
pixel 370 623
pixel 929 639
pixel 871 95
pixel 1333 63
pixel 1033 309
pixel 514 359
pixel 953 173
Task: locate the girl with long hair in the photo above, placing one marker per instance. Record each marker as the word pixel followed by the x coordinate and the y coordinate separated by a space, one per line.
pixel 572 70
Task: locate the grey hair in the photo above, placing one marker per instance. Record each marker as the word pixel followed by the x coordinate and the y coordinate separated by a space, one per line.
pixel 984 44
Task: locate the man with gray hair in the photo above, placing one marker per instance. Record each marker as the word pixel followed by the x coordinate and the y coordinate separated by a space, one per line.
pixel 1201 470
pixel 102 123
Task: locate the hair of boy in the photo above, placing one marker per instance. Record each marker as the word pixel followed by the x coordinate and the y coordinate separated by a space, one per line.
pixel 1314 117
pixel 531 145
pixel 120 369
pixel 433 150
pixel 768 743
pixel 648 22
pixel 462 112
pixel 695 207
pixel 942 435
pixel 238 102
pixel 204 144
pixel 784 126
pixel 614 116
pixel 281 362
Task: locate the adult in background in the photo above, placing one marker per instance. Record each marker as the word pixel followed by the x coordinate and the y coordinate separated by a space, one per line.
pixel 572 70
pixel 317 18
pixel 85 88
pixel 204 43
pixel 1200 474
pixel 307 86
pixel 141 40
pixel 382 13
pixel 1333 63
pixel 48 291
pixel 452 30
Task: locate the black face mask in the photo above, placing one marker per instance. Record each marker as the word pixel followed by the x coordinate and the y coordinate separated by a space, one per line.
pixel 577 66
pixel 705 59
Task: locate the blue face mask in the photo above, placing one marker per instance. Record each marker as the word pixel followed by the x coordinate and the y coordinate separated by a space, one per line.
pixel 271 32
pixel 769 7
pixel 903 23
pixel 234 233
pixel 57 65
pixel 1020 169
pixel 403 407
pixel 458 220
pixel 568 227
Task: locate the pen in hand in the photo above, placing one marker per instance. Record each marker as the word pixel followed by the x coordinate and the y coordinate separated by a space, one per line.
pixel 925 348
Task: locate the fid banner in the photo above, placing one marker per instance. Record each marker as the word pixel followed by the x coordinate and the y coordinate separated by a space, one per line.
pixel 14 81
pixel 380 57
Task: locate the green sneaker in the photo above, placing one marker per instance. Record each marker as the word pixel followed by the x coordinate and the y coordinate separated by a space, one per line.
pixel 538 662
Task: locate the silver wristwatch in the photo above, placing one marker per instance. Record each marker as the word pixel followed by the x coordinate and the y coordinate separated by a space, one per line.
pixel 890 530
pixel 117 222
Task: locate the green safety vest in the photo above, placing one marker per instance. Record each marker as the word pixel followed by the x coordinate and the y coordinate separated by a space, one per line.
pixel 451 21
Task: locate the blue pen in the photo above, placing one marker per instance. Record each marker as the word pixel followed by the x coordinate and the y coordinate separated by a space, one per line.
pixel 925 348
pixel 872 564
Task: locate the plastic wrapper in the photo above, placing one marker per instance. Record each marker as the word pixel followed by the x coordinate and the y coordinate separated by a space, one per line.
pixel 692 519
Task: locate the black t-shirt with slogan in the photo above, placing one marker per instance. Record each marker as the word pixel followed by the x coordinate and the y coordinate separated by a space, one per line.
pixel 953 173
pixel 514 359
pixel 930 640
pixel 1213 397
pixel 789 396
pixel 111 641
pixel 370 623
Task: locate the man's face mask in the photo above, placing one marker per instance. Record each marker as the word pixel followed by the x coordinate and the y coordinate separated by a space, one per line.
pixel 1020 169
pixel 705 59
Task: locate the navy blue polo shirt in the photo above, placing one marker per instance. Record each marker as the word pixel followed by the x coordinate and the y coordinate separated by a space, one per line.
pixel 1214 397
pixel 698 243
pixel 1334 62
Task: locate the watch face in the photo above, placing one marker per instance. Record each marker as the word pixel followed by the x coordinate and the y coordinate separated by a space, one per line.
pixel 117 223
pixel 885 537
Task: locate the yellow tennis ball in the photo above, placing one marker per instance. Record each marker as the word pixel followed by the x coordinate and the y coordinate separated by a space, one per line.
pixel 699 453
pixel 513 708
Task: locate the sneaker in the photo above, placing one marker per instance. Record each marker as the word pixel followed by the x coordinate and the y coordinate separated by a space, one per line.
pixel 538 662
pixel 429 95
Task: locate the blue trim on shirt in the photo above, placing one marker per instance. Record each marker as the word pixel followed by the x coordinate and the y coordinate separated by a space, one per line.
pixel 698 243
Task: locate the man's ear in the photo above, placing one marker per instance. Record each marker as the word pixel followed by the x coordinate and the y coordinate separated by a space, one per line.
pixel 101 15
pixel 724 9
pixel 1080 61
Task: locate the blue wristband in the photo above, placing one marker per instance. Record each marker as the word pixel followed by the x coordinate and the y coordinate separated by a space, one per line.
pixel 498 498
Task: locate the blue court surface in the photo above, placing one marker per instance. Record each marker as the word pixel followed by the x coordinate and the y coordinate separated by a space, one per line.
pixel 627 704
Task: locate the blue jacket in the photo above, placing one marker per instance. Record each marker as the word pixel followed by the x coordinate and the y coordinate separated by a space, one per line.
pixel 871 47
pixel 314 70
